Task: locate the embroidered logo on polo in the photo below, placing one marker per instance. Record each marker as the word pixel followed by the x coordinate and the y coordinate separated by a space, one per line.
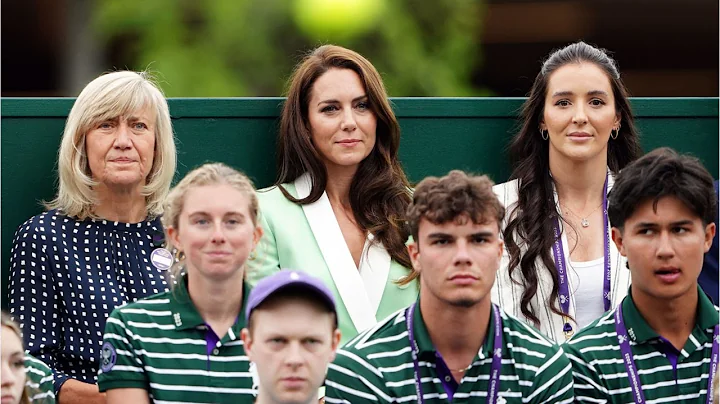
pixel 108 357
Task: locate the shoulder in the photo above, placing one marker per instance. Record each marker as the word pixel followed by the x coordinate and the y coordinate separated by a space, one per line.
pixel 43 224
pixel 386 336
pixel 154 305
pixel 272 197
pixel 275 206
pixel 36 369
pixel 598 337
pixel 527 340
pixel 159 300
pixel 507 192
pixel 274 192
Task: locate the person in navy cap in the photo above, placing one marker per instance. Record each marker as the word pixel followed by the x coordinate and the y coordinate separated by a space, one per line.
pixel 291 337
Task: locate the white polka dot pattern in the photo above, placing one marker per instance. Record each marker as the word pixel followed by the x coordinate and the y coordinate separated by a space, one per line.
pixel 66 277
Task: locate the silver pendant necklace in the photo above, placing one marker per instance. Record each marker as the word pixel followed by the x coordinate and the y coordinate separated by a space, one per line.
pixel 583 220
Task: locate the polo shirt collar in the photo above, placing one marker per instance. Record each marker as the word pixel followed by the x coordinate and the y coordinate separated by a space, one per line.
pixel 425 345
pixel 640 332
pixel 186 315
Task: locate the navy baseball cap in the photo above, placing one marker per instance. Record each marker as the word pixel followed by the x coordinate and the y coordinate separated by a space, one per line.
pixel 288 278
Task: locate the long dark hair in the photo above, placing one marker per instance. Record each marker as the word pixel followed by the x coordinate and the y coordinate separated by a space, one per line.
pixel 534 216
pixel 380 191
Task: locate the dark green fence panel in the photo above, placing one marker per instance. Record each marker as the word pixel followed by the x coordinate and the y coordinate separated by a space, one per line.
pixel 438 134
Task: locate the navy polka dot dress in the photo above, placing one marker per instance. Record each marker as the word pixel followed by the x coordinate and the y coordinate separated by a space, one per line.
pixel 66 276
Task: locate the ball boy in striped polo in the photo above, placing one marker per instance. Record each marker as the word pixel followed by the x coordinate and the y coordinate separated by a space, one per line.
pixel 291 336
pixel 453 344
pixel 184 346
pixel 661 343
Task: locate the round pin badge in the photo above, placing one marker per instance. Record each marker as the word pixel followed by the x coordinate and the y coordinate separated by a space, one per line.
pixel 161 258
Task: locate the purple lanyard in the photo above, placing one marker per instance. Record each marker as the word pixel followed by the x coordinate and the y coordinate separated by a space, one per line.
pixel 494 383
pixel 559 254
pixel 631 369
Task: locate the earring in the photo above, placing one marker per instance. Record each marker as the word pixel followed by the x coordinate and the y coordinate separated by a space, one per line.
pixel 627 264
pixel 615 133
pixel 179 255
pixel 544 134
pixel 253 255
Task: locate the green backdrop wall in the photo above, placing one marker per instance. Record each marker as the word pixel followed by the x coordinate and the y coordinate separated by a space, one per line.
pixel 438 134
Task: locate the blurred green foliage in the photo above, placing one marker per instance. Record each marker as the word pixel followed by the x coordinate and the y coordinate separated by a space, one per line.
pixel 234 48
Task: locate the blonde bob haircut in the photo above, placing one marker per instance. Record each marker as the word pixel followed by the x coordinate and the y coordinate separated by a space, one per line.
pixel 206 174
pixel 107 97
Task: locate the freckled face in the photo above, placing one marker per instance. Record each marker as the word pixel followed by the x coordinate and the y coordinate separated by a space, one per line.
pixel 342 124
pixel 215 231
pixel 121 150
pixel 579 112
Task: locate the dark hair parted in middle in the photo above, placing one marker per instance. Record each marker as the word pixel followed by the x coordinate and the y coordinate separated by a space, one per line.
pixel 535 213
pixel 445 199
pixel 660 173
pixel 380 191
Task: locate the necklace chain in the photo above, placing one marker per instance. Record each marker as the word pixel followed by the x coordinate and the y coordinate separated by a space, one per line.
pixel 462 369
pixel 583 220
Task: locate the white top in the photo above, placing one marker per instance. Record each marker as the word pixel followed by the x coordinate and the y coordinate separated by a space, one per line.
pixel 587 288
pixel 508 294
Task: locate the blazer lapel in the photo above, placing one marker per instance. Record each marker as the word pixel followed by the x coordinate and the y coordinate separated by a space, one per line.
pixel 340 263
pixel 374 270
pixel 619 274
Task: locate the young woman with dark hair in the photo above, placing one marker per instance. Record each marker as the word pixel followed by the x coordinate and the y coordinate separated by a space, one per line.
pixel 337 210
pixel 560 270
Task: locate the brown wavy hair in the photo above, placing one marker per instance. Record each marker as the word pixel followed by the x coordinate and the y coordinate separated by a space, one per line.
pixel 534 216
pixel 379 191
pixel 445 199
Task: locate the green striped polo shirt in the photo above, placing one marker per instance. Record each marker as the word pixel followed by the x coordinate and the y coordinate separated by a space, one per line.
pixel 38 381
pixel 377 367
pixel 160 344
pixel 599 371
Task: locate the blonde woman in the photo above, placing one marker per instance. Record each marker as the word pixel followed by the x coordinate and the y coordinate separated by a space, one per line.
pixel 91 251
pixel 24 378
pixel 184 345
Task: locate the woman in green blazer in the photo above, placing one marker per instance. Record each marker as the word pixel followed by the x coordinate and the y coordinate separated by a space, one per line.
pixel 338 207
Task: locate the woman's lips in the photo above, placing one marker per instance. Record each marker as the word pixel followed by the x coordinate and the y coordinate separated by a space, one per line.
pixel 349 142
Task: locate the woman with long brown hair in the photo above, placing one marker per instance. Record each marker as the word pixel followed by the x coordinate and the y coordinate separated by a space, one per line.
pixel 338 206
pixel 561 271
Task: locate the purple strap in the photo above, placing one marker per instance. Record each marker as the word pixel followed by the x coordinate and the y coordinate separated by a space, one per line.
pixel 559 255
pixel 496 367
pixel 627 356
